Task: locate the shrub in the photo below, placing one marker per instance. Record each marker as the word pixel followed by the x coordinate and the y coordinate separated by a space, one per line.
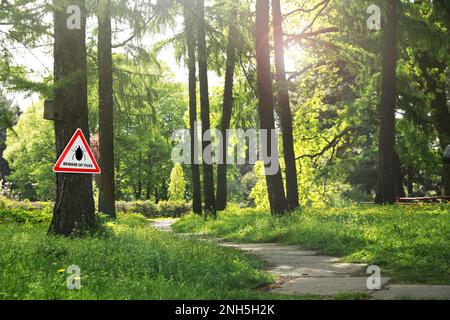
pixel 150 210
pixel 25 211
pixel 172 209
pixel 146 208
pixel 23 216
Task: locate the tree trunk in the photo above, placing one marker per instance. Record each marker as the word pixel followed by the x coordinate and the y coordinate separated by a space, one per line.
pixel 74 206
pixel 410 180
pixel 208 170
pixel 221 201
pixel 191 44
pixel 106 198
pixel 284 108
pixel 386 178
pixel 440 111
pixel 399 180
pixel 274 182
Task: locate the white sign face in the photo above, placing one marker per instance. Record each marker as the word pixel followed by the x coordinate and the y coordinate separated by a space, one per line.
pixel 77 157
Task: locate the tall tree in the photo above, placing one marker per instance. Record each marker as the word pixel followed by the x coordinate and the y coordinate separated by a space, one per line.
pixel 386 153
pixel 434 74
pixel 208 170
pixel 74 205
pixel 106 198
pixel 191 45
pixel 274 182
pixel 227 106
pixel 284 108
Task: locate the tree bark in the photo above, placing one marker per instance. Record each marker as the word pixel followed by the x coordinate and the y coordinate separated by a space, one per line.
pixel 274 182
pixel 191 44
pixel 410 180
pixel 221 201
pixel 284 108
pixel 386 179
pixel 73 212
pixel 440 111
pixel 399 180
pixel 208 170
pixel 106 198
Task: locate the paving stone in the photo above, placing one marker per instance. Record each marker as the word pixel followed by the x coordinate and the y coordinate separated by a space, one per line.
pixel 312 266
pixel 326 286
pixel 269 248
pixel 292 261
pixel 413 291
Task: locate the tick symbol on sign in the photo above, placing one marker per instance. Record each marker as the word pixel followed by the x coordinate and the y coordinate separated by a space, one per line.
pixel 79 153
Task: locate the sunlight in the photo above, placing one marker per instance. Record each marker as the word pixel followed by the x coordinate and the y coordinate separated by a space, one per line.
pixel 293 57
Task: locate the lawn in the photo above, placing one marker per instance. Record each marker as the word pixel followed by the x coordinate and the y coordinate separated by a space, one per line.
pixel 409 243
pixel 127 260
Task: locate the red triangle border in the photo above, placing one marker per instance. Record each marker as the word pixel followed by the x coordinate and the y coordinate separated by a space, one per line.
pixel 57 167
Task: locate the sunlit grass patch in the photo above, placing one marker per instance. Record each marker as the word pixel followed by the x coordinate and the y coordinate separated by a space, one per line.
pixel 128 261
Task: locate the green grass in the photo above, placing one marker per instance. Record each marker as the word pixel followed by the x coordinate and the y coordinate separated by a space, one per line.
pixel 129 261
pixel 409 243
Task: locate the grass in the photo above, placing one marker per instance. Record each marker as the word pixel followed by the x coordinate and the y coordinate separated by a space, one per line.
pixel 129 261
pixel 409 243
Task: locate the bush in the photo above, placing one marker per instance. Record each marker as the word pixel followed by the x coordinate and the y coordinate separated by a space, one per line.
pixel 27 205
pixel 23 216
pixel 150 210
pixel 25 211
pixel 147 208
pixel 173 209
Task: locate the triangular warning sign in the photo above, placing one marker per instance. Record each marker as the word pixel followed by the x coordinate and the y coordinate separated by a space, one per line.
pixel 77 157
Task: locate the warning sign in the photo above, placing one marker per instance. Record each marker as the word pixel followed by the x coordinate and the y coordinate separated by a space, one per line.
pixel 77 157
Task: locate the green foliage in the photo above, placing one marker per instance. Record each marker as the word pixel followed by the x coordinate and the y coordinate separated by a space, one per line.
pixel 172 208
pixel 25 211
pixel 31 155
pixel 409 243
pixel 148 108
pixel 334 87
pixel 146 208
pixel 163 209
pixel 259 191
pixel 177 185
pixel 130 261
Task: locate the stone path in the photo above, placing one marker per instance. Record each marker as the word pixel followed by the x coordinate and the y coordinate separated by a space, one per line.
pixel 302 272
pixel 163 224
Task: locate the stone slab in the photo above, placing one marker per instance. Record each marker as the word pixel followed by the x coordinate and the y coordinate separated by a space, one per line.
pixel 326 286
pixel 292 261
pixel 413 291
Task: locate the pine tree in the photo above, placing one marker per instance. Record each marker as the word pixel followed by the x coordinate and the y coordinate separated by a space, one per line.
pixel 74 205
pixel 227 107
pixel 189 22
pixel 208 170
pixel 106 198
pixel 274 182
pixel 284 108
pixel 386 154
